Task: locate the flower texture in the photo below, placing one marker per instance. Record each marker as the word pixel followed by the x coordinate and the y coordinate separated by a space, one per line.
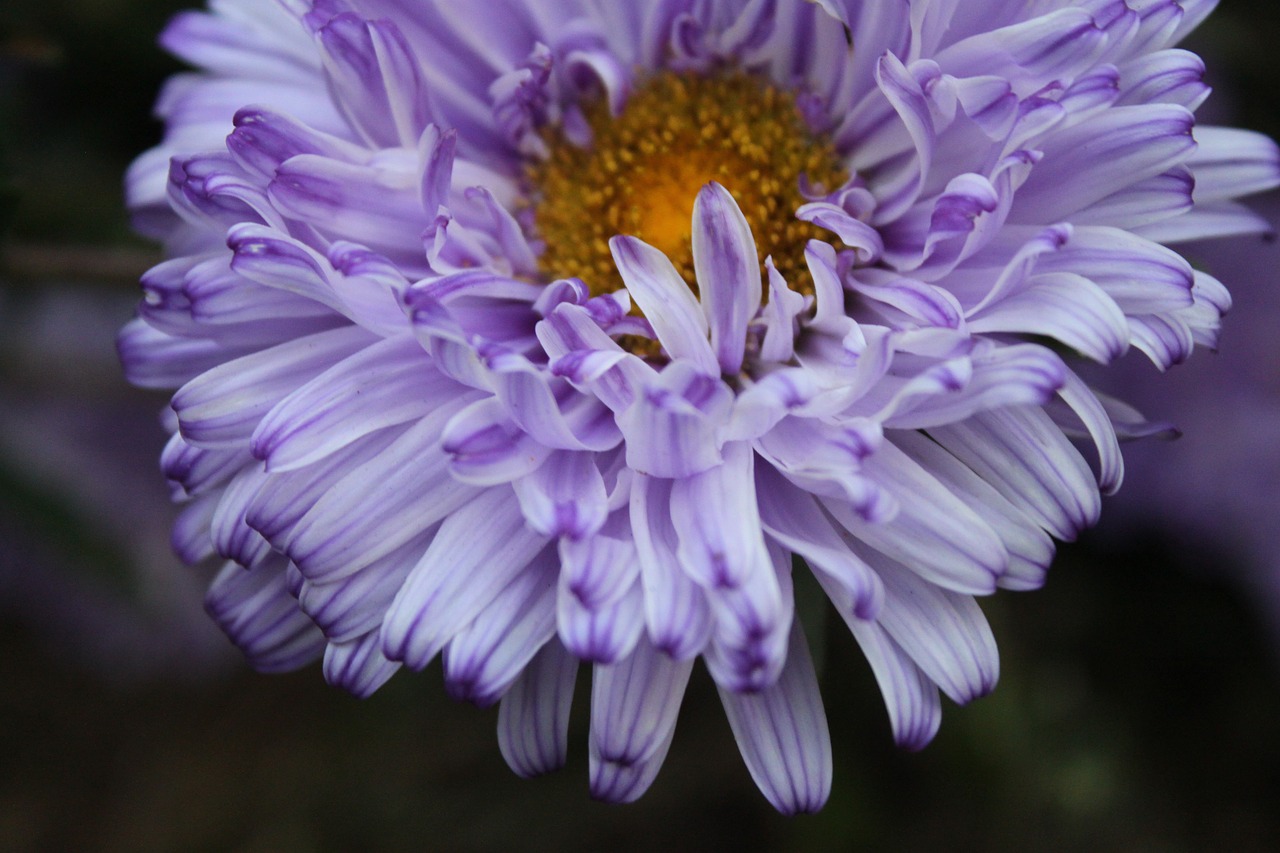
pixel 534 334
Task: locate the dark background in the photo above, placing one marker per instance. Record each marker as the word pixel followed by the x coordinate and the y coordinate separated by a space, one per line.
pixel 1140 691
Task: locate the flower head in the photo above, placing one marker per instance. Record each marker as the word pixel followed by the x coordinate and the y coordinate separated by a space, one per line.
pixel 535 334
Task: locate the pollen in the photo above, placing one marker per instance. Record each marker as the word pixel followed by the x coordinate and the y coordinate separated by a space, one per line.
pixel 643 169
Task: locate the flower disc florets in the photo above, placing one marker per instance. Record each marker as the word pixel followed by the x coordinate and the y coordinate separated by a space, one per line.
pixel 636 172
pixel 421 414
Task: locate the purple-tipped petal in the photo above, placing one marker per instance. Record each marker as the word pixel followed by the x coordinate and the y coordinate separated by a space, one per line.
pixel 677 614
pixel 782 733
pixel 724 259
pixel 477 553
pixel 564 497
pixel 255 609
pixel 358 666
pixel 718 524
pixel 604 634
pixel 483 659
pixel 533 719
pixel 634 704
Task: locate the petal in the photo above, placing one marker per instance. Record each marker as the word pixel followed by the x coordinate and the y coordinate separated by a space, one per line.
pixel 222 406
pixel 358 666
pixel 634 704
pixel 604 635
pixel 378 506
pixel 943 632
pixel 934 533
pixel 718 523
pixel 728 272
pixel 1030 548
pixel 255 609
pixel 486 448
pixel 385 384
pixel 564 497
pixel 782 734
pixel 1024 455
pixel 1064 306
pixel 477 553
pixel 1090 161
pixel 483 659
pixel 375 79
pixel 676 610
pixel 666 300
pixel 533 719
pixel 672 427
pixel 796 522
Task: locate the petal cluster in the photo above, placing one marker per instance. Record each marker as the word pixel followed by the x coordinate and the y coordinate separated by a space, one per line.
pixel 407 443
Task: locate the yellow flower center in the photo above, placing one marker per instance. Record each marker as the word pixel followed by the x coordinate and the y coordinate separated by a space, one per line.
pixel 644 169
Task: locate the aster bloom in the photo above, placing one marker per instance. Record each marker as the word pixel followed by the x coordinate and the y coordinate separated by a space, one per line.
pixel 530 335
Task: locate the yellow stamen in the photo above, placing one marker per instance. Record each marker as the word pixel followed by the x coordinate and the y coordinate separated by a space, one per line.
pixel 644 168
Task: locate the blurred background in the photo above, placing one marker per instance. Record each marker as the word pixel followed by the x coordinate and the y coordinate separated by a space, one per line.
pixel 1140 689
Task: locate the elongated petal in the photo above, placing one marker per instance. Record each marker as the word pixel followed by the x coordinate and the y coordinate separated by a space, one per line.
pixel 633 716
pixel 477 553
pixel 358 666
pixel 533 719
pixel 385 384
pixel 223 406
pixel 255 609
pixel 677 614
pixel 666 300
pixel 483 659
pixel 724 259
pixel 782 733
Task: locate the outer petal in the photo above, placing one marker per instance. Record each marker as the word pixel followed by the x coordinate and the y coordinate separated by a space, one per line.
pixel 477 553
pixel 782 733
pixel 633 717
pixel 533 719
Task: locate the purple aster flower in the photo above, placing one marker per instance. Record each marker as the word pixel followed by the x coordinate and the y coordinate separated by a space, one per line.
pixel 535 334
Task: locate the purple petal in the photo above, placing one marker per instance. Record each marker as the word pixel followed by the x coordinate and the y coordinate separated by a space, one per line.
pixel 915 712
pixel 483 659
pixel 533 719
pixel 676 610
pixel 1064 306
pixel 487 449
pixel 943 632
pixel 358 666
pixel 599 570
pixel 672 427
pixel 728 272
pixel 1024 455
pixel 255 609
pixel 1090 161
pixel 718 524
pixel 388 383
pixel 375 79
pixel 1030 548
pixel 634 704
pixel 604 635
pixel 795 521
pixel 477 553
pixel 223 406
pixel 782 734
pixel 935 534
pixel 564 497
pixel 666 300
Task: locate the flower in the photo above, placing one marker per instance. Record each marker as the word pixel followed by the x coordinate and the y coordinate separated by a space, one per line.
pixel 540 333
